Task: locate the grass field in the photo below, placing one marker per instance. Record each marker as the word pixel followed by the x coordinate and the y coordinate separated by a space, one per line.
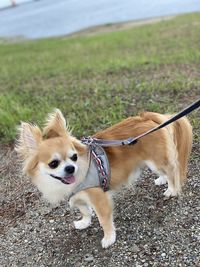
pixel 98 80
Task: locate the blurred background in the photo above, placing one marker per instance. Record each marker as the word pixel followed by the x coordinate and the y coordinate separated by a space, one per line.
pixel 46 18
pixel 69 46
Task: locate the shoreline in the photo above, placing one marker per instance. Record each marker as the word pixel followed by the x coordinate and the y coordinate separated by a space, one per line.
pixel 94 30
pixel 118 26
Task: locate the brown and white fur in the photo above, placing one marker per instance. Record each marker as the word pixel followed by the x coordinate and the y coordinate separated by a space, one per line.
pixel 165 152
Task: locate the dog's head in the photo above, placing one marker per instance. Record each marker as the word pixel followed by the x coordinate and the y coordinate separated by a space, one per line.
pixel 52 158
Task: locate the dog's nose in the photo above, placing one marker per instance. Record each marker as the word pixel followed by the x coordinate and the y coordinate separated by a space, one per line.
pixel 69 169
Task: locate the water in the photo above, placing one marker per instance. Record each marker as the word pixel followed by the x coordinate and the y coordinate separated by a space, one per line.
pixel 46 18
pixel 7 3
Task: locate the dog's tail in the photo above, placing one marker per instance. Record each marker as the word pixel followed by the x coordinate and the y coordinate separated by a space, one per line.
pixel 182 138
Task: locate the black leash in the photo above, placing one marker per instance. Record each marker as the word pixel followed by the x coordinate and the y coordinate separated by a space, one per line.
pixel 133 140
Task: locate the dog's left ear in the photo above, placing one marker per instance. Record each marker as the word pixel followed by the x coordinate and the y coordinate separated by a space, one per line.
pixel 55 125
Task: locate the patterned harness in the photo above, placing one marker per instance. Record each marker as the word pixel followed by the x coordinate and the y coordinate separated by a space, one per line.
pixel 98 174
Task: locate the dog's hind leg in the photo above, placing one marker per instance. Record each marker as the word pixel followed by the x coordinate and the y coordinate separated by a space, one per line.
pixel 169 174
pixel 173 180
pixel 162 179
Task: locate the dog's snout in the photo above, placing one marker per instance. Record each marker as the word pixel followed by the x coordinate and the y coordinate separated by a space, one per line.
pixel 69 169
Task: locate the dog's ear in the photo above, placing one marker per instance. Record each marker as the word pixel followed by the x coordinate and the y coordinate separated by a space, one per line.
pixel 55 125
pixel 80 148
pixel 29 138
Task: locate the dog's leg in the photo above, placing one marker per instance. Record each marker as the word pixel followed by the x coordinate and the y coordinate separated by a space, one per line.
pixel 86 217
pixel 81 201
pixel 167 174
pixel 162 179
pixel 102 205
pixel 173 179
pixel 135 175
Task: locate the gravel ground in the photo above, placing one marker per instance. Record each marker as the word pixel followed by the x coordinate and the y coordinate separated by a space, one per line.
pixel 151 231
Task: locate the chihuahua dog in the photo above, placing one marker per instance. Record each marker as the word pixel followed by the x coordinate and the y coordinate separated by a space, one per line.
pixel 57 162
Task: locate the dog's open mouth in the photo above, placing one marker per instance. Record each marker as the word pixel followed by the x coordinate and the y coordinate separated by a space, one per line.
pixel 68 180
pixel 65 180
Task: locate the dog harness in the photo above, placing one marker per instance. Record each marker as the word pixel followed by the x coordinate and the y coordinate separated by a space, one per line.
pixel 98 174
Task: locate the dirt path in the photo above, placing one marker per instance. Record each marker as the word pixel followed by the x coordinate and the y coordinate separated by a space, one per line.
pixel 151 231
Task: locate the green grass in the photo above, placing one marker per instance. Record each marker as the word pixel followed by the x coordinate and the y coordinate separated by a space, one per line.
pixel 98 80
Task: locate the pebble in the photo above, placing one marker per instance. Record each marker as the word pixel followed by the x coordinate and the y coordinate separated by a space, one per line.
pixel 135 248
pixel 88 258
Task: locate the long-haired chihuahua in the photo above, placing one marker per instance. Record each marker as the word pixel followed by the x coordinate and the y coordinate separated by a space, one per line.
pixel 57 162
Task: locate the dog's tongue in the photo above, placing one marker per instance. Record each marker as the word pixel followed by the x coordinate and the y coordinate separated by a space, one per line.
pixel 68 179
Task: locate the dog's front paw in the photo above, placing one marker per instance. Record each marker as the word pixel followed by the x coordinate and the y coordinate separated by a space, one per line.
pixel 108 240
pixel 82 224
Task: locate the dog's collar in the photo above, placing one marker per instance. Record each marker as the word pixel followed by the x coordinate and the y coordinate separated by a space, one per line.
pixel 98 174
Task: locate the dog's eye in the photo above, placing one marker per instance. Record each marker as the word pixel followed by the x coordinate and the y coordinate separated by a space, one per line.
pixel 54 164
pixel 74 157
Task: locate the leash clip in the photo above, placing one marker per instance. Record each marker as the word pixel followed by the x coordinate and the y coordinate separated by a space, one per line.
pixel 87 140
